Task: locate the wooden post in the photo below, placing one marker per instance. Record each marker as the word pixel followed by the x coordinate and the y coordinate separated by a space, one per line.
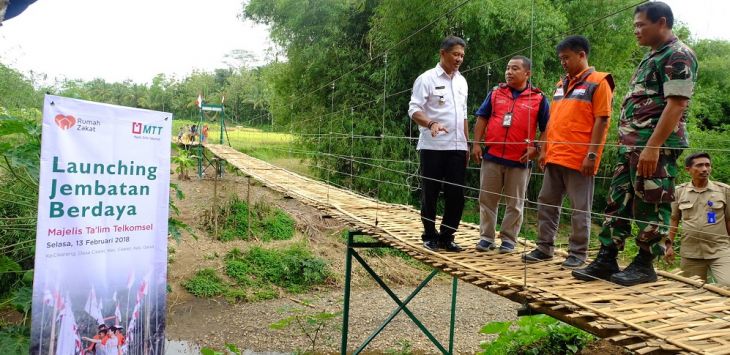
pixel 214 212
pixel 248 203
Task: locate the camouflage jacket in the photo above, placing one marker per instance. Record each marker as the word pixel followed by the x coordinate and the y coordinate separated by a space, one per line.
pixel 671 70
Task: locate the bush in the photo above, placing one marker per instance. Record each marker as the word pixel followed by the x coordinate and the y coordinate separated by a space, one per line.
pixel 294 269
pixel 205 283
pixel 539 334
pixel 267 222
pixel 14 340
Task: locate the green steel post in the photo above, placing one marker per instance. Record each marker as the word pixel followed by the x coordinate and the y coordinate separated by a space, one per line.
pixel 200 145
pixel 398 302
pixel 223 121
pixel 346 306
pixel 395 312
pixel 453 315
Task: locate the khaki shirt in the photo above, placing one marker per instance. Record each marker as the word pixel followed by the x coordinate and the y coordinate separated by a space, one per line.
pixel 700 239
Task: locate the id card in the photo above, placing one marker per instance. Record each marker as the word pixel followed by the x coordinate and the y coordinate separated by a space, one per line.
pixel 507 119
pixel 711 217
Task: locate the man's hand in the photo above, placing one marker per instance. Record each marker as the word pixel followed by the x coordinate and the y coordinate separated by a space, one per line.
pixel 648 160
pixel 531 153
pixel 476 151
pixel 669 251
pixel 541 160
pixel 436 128
pixel 588 167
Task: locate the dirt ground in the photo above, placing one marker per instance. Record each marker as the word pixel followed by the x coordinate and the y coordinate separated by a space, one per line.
pixel 215 322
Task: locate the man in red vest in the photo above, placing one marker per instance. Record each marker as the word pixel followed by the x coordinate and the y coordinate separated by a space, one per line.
pixel 579 118
pixel 507 122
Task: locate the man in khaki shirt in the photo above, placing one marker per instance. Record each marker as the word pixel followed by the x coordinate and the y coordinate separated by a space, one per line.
pixel 703 207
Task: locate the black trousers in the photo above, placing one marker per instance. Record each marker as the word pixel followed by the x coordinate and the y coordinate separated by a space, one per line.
pixel 442 169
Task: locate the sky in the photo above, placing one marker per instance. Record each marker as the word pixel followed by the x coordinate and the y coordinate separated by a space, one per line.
pixel 127 39
pixel 137 39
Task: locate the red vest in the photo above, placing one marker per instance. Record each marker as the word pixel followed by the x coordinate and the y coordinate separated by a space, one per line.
pixel 511 142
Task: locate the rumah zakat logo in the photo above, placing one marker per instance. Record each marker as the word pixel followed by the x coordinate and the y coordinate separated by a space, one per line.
pixel 65 121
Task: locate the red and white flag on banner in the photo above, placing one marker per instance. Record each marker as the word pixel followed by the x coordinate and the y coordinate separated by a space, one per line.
pixel 48 299
pixel 130 280
pixel 93 308
pixel 69 342
pixel 200 100
pixel 117 315
pixel 143 288
pixel 60 304
pixel 133 322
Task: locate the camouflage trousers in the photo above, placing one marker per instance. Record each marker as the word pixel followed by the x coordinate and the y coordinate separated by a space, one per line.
pixel 647 201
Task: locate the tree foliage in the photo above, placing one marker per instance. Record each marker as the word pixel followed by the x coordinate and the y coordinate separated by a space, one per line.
pixel 347 87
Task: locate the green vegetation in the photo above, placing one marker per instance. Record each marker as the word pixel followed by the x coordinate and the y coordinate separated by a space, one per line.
pixel 267 223
pixel 205 283
pixel 259 274
pixel 299 116
pixel 310 324
pixel 294 268
pixel 14 339
pixel 538 335
pixel 19 167
pixel 354 32
pixel 229 349
pixel 183 163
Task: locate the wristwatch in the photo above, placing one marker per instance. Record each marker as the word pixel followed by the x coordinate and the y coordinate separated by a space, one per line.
pixel 592 156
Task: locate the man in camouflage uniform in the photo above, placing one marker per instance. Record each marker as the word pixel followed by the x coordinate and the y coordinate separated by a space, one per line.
pixel 651 137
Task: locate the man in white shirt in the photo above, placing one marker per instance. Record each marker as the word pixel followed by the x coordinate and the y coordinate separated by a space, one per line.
pixel 438 106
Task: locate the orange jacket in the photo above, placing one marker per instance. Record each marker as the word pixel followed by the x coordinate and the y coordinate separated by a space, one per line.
pixel 575 106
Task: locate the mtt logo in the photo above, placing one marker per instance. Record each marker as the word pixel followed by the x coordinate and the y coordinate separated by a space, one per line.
pixel 139 128
pixel 65 121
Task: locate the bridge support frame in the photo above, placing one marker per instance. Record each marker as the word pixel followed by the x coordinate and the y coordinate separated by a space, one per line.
pixel 402 304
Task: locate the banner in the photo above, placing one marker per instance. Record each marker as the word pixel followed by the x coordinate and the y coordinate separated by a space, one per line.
pixel 101 246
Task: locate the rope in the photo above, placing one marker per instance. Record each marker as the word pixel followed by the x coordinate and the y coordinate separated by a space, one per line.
pixel 384 52
pixel 382 130
pixel 470 188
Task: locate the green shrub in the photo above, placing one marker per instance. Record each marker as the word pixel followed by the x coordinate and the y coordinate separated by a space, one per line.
pixel 277 226
pixel 538 335
pixel 267 222
pixel 205 283
pixel 14 340
pixel 294 269
pixel 239 271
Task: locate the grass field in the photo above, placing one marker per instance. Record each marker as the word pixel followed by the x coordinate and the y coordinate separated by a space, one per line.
pixel 273 147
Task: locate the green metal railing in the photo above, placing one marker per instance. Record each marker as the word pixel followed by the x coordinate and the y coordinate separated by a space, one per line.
pixel 402 304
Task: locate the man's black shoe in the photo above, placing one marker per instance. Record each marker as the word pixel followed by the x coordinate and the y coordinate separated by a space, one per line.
pixel 573 262
pixel 639 271
pixel 536 256
pixel 431 245
pixel 602 267
pixel 451 246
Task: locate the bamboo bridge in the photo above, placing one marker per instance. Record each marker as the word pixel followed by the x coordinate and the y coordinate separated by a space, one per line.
pixel 673 315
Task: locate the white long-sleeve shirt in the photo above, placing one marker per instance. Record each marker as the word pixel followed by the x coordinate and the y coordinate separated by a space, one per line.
pixel 442 99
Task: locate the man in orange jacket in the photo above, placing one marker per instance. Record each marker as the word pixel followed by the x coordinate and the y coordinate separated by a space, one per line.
pixel 579 118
